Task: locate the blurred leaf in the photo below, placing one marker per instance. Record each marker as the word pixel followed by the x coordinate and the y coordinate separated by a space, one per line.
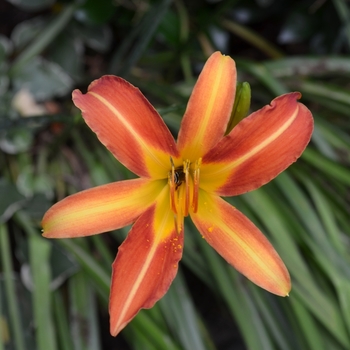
pixel 324 90
pixel 32 5
pixel 298 27
pixel 253 38
pixel 39 254
pixel 229 286
pixel 44 79
pixel 10 200
pixel 12 303
pixel 309 66
pixel 308 326
pixel 4 82
pixel 269 210
pixel 26 31
pixel 98 38
pixel 144 32
pixel 15 140
pixel 67 51
pixel 278 323
pixel 95 271
pixel 344 14
pixel 84 325
pixel 169 29
pixel 96 11
pixel 62 266
pixel 260 72
pixel 5 48
pixel 324 147
pixel 144 327
pixel 29 183
pixel 335 138
pixel 180 314
pixel 327 166
pixel 43 39
pixel 343 289
pixel 36 205
pixel 62 320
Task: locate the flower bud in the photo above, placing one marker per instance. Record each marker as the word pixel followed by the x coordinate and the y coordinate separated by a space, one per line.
pixel 241 106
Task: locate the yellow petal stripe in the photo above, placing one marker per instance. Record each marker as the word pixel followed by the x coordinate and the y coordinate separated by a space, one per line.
pixel 100 209
pixel 209 108
pixel 258 148
pixel 146 263
pixel 128 125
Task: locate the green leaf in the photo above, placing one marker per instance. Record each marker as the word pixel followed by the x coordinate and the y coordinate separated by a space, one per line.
pixel 16 332
pixel 10 200
pixel 84 324
pixel 39 255
pixel 180 314
pixel 44 79
pixel 16 140
pixel 32 5
pixel 96 11
pixel 43 39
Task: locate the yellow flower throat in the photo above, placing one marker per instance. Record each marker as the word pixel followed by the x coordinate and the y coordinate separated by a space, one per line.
pixel 184 185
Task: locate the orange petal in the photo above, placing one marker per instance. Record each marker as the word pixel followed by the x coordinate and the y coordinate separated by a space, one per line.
pixel 241 243
pixel 209 108
pixel 100 209
pixel 127 124
pixel 146 264
pixel 259 148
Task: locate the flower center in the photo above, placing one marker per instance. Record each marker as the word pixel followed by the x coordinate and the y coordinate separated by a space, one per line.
pixel 184 184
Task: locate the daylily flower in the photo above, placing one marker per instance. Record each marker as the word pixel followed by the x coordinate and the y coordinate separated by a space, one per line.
pixel 181 179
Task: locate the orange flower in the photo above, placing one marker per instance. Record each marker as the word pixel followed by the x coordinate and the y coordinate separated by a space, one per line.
pixel 177 180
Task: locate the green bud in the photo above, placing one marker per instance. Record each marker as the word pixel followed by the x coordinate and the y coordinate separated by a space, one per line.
pixel 241 106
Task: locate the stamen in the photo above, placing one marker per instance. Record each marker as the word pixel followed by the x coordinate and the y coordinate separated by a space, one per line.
pixel 171 181
pixel 186 171
pixel 179 217
pixel 179 223
pixel 196 175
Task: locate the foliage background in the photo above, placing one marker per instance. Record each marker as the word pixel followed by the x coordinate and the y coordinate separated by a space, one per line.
pixel 54 294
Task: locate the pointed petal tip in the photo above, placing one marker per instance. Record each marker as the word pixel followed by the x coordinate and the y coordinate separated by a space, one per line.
pixel 209 107
pixel 116 329
pixel 100 209
pixel 125 122
pixel 283 288
pixel 259 148
pixel 275 279
pixel 75 94
pixel 241 244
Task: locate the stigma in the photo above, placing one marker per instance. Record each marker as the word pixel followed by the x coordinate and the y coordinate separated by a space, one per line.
pixel 184 186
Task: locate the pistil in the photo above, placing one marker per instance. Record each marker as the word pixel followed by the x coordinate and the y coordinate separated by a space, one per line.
pixel 196 175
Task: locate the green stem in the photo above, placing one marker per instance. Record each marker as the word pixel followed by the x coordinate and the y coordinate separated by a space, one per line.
pixel 10 292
